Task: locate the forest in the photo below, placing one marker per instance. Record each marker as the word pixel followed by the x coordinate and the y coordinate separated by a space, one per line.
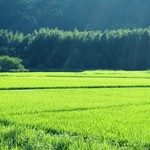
pixel 27 15
pixel 53 49
pixel 76 35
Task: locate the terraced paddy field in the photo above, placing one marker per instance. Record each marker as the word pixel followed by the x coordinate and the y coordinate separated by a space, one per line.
pixel 90 110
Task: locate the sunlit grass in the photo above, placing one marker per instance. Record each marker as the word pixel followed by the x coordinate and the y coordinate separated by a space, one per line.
pixel 83 79
pixel 101 118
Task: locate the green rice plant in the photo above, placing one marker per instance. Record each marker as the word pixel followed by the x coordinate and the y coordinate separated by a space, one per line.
pixel 74 80
pixel 75 118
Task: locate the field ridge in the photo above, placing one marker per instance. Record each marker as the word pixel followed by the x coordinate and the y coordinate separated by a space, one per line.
pixel 74 87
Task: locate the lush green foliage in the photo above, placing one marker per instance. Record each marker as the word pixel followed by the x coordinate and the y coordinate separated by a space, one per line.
pixel 114 118
pixel 11 64
pixel 64 50
pixel 27 15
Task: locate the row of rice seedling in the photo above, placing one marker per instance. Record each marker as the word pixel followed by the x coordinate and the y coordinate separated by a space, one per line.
pixel 35 101
pixel 109 118
pixel 14 82
pixel 17 137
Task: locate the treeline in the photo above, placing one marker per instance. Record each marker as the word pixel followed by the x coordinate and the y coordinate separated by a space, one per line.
pixel 53 49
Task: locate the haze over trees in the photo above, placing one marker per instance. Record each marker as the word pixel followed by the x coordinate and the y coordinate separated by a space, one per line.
pixel 77 35
pixel 55 49
pixel 27 15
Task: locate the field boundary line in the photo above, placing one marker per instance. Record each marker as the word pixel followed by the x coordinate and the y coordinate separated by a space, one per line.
pixel 74 87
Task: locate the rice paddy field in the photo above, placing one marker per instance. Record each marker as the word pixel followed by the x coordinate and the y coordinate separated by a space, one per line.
pixel 91 110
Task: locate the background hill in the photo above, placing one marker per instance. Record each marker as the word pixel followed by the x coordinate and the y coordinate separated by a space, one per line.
pixel 27 15
pixel 125 45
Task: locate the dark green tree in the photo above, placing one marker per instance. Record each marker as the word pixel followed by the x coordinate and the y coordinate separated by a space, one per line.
pixel 9 64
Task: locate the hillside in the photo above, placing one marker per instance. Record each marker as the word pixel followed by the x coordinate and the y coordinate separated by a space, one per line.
pixel 27 15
